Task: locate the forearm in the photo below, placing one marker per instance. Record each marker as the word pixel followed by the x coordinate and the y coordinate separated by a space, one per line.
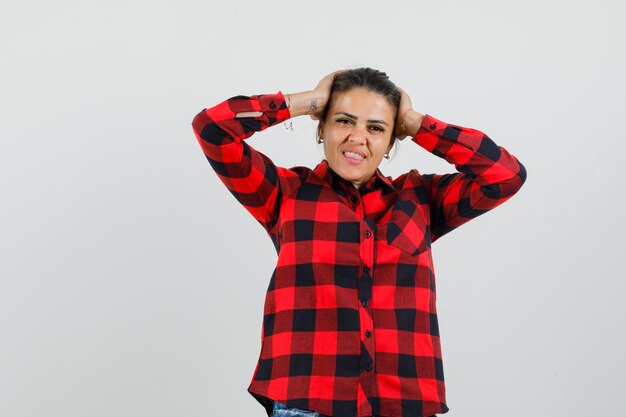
pixel 474 154
pixel 224 122
pixel 412 122
pixel 251 177
pixel 487 176
pixel 306 102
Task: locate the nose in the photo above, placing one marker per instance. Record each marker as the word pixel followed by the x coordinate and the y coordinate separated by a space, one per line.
pixel 357 139
pixel 358 134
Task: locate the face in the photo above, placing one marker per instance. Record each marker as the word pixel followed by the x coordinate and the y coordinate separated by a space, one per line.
pixel 357 133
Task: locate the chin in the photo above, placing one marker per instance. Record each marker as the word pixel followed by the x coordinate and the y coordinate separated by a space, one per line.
pixel 350 172
pixel 352 178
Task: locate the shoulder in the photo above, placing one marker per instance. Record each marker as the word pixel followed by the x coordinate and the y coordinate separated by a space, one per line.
pixel 300 170
pixel 408 179
pixel 414 186
pixel 295 173
pixel 291 179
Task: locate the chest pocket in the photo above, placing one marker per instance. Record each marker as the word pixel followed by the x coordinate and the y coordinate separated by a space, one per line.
pixel 407 229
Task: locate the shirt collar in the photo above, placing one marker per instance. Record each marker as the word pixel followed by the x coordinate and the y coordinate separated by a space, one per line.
pixel 378 180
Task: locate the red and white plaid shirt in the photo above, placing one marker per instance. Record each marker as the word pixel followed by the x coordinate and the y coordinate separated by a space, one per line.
pixel 350 317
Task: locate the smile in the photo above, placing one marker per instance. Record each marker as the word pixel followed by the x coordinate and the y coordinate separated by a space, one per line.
pixel 353 157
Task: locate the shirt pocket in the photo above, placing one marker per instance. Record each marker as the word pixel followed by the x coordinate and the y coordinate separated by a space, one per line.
pixel 407 228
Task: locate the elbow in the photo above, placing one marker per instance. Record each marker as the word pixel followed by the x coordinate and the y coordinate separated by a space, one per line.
pixel 206 130
pixel 198 122
pixel 505 189
pixel 514 184
pixel 521 174
pixel 519 179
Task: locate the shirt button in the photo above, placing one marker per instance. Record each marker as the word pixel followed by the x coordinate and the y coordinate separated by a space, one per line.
pixel 433 126
pixel 369 367
pixel 368 233
pixel 353 198
pixel 366 268
pixel 368 333
pixel 272 105
pixel 364 302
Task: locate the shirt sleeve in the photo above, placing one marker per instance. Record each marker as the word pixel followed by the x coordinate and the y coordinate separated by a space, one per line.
pixel 252 177
pixel 488 174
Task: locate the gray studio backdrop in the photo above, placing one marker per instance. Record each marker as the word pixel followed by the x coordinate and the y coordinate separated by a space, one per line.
pixel 132 282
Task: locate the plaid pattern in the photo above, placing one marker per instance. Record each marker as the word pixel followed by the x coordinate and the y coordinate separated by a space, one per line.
pixel 350 318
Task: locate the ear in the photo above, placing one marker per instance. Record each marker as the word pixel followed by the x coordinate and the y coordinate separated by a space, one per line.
pixel 320 129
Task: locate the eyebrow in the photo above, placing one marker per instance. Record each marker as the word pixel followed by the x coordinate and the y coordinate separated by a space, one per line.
pixel 356 118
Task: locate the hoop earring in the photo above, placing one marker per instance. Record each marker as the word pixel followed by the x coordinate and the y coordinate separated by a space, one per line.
pixel 386 155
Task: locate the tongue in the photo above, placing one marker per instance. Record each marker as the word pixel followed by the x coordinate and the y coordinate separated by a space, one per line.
pixel 353 157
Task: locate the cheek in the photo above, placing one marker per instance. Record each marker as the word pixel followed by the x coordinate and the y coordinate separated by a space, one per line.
pixel 329 150
pixel 381 150
pixel 330 143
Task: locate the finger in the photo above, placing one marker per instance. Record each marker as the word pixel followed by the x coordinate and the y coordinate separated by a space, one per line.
pixel 335 73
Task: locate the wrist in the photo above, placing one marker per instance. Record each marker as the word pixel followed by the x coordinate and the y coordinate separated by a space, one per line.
pixel 305 102
pixel 412 121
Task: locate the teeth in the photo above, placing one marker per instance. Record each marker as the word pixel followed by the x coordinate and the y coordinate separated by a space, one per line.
pixel 353 155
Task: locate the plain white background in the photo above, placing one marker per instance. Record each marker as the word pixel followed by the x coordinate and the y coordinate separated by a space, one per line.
pixel 132 282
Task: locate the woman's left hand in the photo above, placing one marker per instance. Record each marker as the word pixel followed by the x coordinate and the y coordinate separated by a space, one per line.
pixel 405 105
pixel 408 121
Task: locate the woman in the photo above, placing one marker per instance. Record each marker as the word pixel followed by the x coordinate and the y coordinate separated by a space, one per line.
pixel 350 319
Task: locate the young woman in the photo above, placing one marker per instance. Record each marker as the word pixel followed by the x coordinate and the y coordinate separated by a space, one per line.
pixel 350 319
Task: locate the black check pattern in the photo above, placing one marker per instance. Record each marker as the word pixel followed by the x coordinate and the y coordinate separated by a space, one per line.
pixel 350 319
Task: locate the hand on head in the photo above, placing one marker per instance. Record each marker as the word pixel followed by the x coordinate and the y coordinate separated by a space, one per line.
pixel 323 90
pixel 405 105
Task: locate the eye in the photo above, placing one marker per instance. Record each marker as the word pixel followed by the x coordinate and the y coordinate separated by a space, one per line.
pixel 343 120
pixel 378 128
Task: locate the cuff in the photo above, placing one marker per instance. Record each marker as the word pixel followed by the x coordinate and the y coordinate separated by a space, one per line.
pixel 431 124
pixel 429 132
pixel 273 106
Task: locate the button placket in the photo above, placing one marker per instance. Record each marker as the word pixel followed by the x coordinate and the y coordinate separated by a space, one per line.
pixel 367 377
pixel 366 294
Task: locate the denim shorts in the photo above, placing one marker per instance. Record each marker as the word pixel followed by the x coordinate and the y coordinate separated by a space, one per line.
pixel 282 410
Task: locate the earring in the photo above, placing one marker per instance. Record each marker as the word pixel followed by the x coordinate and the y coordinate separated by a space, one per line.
pixel 386 155
pixel 320 140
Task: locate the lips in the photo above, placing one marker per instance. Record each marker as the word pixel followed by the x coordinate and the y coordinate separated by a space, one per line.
pixel 353 154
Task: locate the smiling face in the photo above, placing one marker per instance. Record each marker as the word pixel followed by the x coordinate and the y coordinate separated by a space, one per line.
pixel 357 133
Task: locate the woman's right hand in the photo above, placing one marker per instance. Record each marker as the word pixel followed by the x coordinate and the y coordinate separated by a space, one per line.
pixel 323 90
pixel 312 102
